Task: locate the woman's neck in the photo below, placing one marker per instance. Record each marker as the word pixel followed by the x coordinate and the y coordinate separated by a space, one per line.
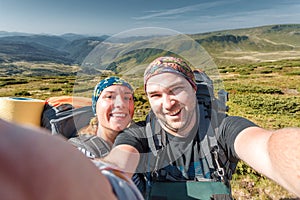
pixel 107 135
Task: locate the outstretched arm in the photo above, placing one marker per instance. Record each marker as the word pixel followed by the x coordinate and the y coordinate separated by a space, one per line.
pixel 36 165
pixel 124 157
pixel 275 154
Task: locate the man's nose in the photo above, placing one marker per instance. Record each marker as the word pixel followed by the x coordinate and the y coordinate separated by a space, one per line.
pixel 168 101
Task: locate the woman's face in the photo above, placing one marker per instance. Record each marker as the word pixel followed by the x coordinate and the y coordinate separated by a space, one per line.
pixel 115 108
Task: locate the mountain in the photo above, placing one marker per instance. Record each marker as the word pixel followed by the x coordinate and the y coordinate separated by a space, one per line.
pixel 78 49
pixel 11 51
pixel 6 33
pixel 264 39
pixel 243 46
pixel 48 41
pixel 72 36
pixel 257 44
pixel 67 48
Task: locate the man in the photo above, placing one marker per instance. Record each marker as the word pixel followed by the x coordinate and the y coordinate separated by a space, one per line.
pixel 36 165
pixel 182 155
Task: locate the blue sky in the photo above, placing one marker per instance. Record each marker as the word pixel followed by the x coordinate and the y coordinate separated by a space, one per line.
pixel 99 17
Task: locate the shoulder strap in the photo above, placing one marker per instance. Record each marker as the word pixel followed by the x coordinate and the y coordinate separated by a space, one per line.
pixel 93 144
pixel 210 151
pixel 156 138
pixel 206 134
pixel 154 133
pixel 149 133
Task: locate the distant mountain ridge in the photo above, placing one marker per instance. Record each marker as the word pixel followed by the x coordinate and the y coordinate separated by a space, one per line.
pixel 67 48
pixel 73 48
pixel 265 38
pixel 6 33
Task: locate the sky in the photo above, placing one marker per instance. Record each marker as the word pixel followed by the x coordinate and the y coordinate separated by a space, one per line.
pixel 98 17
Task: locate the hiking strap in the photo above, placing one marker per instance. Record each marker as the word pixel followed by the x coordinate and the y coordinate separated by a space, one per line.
pixel 207 137
pixel 153 129
pixel 149 135
pixel 91 143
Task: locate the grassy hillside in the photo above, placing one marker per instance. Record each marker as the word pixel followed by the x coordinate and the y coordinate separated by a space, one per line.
pixel 266 93
pixel 225 48
pixel 252 45
pixel 259 67
pixel 269 95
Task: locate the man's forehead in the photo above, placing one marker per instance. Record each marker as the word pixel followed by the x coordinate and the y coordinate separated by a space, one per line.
pixel 165 77
pixel 165 80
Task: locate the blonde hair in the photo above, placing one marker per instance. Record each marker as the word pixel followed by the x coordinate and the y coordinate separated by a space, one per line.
pixel 90 129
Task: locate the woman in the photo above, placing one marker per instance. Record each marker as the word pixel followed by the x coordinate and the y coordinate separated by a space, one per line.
pixel 113 106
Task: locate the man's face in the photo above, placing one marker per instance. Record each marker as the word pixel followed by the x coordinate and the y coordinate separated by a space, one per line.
pixel 173 101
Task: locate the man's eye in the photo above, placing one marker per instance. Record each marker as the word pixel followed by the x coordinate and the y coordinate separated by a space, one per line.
pixel 176 90
pixel 155 95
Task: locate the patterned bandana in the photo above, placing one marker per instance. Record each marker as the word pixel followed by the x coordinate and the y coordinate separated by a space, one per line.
pixel 109 81
pixel 171 65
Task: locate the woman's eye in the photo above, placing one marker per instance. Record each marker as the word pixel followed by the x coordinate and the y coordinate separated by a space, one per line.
pixel 108 97
pixel 128 98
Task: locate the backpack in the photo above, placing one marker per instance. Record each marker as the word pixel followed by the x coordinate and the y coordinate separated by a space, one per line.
pixel 65 115
pixel 212 111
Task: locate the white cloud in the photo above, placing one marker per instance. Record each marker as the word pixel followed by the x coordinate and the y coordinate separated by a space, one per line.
pixel 172 13
pixel 201 20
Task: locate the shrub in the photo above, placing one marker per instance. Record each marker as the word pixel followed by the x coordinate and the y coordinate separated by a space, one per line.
pixel 22 93
pixel 295 73
pixel 267 104
pixel 44 88
pixel 55 89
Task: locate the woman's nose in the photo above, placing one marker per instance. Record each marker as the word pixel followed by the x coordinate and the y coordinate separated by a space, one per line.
pixel 119 101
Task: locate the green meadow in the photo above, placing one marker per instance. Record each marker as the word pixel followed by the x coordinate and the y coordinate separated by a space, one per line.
pixel 267 93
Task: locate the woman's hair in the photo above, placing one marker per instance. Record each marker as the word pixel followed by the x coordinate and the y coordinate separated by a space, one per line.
pixel 90 129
